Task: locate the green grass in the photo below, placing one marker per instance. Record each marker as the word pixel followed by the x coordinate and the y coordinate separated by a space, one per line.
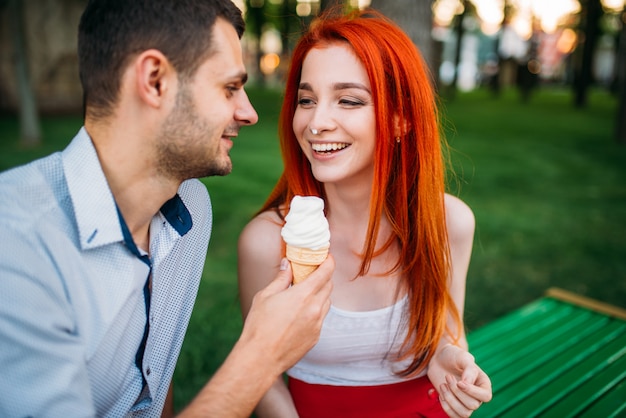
pixel 547 184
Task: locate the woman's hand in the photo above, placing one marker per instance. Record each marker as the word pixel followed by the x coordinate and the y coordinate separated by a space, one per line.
pixel 462 385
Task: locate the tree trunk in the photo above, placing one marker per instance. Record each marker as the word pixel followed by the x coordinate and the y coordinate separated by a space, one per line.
pixel 460 19
pixel 256 16
pixel 30 132
pixel 415 17
pixel 621 83
pixel 328 4
pixel 591 13
pixel 285 27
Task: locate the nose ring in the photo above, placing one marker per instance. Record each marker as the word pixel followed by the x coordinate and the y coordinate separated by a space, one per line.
pixel 314 131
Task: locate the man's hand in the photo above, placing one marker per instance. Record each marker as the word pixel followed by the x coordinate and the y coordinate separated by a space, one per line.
pixel 282 324
pixel 285 321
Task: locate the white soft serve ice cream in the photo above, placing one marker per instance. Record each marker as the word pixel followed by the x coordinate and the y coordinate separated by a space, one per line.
pixel 305 224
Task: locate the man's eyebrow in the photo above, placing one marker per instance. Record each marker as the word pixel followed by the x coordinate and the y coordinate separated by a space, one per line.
pixel 338 86
pixel 243 77
pixel 240 77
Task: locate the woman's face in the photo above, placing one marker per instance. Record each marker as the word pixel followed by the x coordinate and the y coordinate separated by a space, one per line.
pixel 334 119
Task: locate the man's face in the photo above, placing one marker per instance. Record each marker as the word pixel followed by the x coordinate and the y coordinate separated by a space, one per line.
pixel 209 111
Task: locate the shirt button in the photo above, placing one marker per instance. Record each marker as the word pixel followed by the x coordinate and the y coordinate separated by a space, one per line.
pixel 148 371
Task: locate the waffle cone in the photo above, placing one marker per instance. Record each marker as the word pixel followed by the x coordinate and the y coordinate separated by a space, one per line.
pixel 304 261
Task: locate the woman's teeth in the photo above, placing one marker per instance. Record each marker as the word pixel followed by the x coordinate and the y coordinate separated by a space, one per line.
pixel 328 147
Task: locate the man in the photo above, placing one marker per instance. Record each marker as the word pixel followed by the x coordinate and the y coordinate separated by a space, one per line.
pixel 103 244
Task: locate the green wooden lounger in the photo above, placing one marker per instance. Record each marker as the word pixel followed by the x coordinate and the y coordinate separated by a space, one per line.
pixel 560 356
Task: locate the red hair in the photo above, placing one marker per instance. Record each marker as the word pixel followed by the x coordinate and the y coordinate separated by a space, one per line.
pixel 409 177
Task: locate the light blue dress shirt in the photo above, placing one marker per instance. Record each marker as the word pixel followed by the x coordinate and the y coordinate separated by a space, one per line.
pixel 72 307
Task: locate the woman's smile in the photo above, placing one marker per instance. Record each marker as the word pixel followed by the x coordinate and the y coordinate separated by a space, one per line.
pixel 328 147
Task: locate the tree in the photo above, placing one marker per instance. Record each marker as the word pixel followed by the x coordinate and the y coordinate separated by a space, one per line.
pixel 287 10
pixel 591 13
pixel 460 28
pixel 255 20
pixel 415 17
pixel 621 82
pixel 30 132
pixel 327 4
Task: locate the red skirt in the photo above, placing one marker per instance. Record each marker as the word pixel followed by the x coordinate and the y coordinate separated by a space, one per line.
pixel 413 398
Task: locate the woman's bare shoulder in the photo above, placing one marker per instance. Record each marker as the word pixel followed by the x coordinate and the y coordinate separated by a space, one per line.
pixel 265 220
pixel 261 236
pixel 460 219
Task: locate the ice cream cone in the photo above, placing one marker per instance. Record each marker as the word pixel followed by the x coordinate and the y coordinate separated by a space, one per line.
pixel 304 261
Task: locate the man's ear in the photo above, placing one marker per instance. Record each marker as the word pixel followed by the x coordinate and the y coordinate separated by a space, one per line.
pixel 154 77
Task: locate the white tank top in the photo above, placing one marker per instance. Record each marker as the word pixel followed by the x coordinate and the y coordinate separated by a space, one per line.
pixel 356 348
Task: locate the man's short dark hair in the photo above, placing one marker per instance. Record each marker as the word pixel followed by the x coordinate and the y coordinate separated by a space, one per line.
pixel 111 32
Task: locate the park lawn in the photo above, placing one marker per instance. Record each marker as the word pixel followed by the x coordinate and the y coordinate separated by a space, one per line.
pixel 547 184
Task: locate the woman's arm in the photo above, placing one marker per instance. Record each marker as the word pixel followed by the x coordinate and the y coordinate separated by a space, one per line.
pixel 462 385
pixel 460 224
pixel 260 251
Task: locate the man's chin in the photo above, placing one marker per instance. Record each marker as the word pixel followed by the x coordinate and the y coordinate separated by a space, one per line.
pixel 219 171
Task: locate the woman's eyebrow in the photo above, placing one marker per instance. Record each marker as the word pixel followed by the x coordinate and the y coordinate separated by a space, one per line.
pixel 345 86
pixel 337 86
pixel 305 86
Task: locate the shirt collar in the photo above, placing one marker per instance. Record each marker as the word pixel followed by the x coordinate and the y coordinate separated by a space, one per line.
pixel 94 205
pixel 92 199
pixel 177 215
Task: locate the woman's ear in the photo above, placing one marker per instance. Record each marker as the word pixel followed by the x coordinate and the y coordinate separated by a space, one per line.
pixel 400 126
pixel 153 77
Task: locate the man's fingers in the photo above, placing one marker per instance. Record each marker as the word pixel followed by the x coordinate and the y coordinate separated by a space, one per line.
pixel 320 278
pixel 282 280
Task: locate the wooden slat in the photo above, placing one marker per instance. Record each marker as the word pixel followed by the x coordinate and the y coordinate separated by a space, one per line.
pixel 510 323
pixel 587 303
pixel 573 389
pixel 558 356
pixel 521 328
pixel 555 336
pixel 592 389
pixel 612 404
pixel 534 379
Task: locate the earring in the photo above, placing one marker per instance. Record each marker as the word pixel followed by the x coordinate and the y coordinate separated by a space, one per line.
pixel 314 131
pixel 398 139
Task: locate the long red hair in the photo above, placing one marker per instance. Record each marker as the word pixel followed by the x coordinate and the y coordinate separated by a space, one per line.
pixel 409 176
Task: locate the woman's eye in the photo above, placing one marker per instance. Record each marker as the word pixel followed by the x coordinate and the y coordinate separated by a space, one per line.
pixel 350 102
pixel 304 101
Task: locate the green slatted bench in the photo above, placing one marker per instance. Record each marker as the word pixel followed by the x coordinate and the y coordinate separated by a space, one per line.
pixel 560 356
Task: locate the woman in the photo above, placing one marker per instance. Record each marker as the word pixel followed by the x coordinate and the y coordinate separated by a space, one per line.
pixel 359 128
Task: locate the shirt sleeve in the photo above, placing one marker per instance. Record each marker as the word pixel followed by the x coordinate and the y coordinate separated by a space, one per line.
pixel 42 360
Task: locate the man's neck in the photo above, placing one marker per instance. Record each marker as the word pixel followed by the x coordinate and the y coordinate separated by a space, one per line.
pixel 139 190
